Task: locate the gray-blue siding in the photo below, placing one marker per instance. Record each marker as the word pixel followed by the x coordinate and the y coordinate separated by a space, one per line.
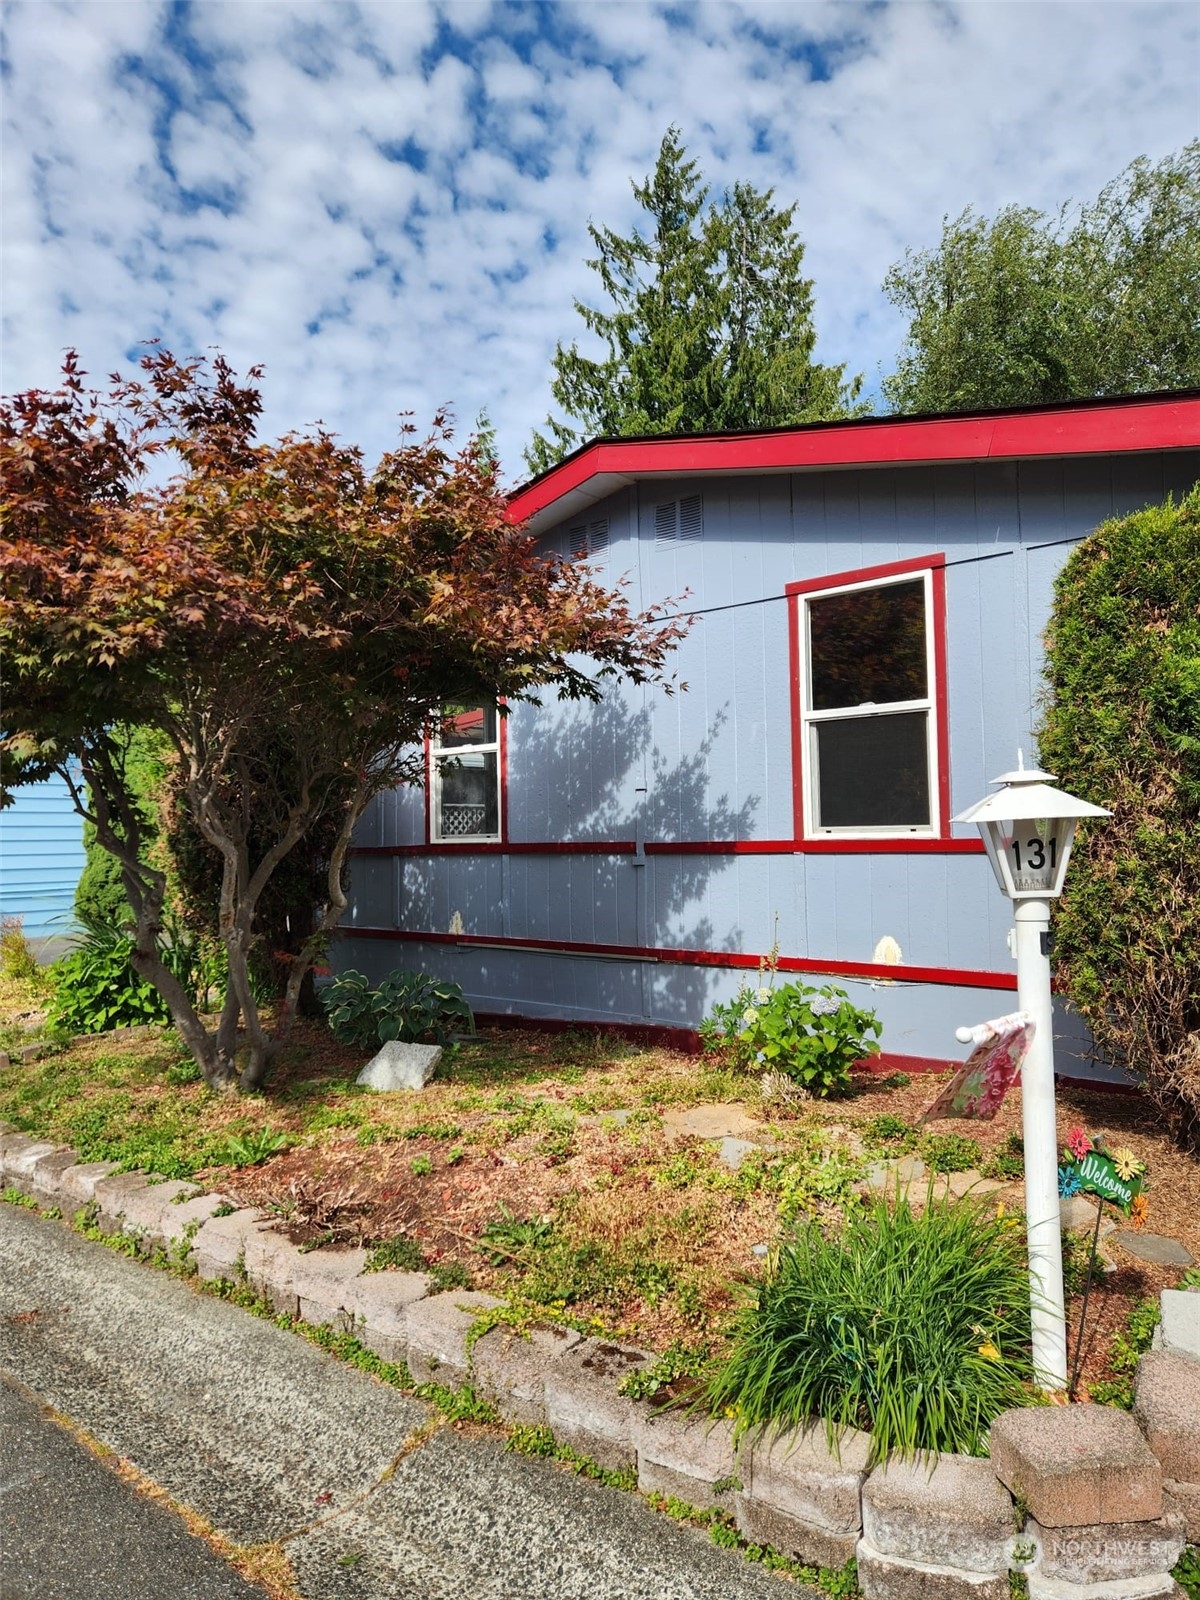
pixel 41 857
pixel 714 763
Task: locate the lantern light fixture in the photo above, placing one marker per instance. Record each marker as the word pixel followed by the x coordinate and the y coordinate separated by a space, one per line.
pixel 1028 827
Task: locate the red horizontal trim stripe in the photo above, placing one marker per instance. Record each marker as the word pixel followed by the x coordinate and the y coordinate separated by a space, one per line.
pixel 691 847
pixel 584 847
pixel 1164 423
pixel 958 977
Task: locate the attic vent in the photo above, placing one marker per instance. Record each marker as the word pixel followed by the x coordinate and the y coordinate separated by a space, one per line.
pixel 679 520
pixel 586 541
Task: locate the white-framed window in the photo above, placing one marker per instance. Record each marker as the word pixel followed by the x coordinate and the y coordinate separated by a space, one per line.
pixel 869 697
pixel 464 776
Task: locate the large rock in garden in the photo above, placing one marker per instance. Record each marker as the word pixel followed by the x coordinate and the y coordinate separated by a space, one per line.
pixel 400 1066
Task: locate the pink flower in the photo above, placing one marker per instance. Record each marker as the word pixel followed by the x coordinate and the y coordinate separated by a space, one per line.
pixel 1078 1143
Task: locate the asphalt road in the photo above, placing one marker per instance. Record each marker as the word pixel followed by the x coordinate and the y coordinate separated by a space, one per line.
pixel 269 1438
pixel 69 1527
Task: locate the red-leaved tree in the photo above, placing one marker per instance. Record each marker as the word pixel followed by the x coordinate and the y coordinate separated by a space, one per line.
pixel 288 619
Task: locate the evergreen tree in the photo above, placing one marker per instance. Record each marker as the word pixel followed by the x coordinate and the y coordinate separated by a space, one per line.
pixel 710 325
pixel 1026 309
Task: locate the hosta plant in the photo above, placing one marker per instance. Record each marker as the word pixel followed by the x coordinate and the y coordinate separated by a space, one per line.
pixel 410 1006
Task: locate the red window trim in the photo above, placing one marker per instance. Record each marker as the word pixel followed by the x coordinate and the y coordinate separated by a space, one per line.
pixel 935 565
pixel 434 846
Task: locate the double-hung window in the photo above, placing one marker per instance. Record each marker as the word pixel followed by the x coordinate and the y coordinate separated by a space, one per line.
pixel 869 693
pixel 464 756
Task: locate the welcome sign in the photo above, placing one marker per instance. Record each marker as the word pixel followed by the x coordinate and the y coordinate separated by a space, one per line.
pixel 1118 1179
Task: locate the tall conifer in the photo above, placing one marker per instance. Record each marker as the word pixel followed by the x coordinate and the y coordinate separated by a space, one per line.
pixel 709 323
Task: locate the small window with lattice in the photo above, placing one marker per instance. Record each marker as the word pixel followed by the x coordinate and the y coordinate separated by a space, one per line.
pixel 464 754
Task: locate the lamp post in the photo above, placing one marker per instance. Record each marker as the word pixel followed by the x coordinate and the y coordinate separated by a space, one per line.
pixel 1028 827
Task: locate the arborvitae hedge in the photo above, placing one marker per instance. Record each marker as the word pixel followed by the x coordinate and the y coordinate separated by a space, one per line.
pixel 1123 729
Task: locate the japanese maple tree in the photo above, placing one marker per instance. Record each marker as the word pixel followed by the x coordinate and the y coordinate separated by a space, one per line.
pixel 288 619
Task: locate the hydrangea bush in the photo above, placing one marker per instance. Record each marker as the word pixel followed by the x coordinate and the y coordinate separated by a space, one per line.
pixel 814 1036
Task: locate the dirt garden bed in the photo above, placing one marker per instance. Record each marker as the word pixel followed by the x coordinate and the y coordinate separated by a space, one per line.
pixel 626 1188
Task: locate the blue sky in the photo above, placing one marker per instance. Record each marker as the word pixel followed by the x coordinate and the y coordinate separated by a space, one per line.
pixel 386 204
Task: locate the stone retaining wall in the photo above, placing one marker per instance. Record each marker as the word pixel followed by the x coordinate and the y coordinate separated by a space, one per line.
pixel 1108 1497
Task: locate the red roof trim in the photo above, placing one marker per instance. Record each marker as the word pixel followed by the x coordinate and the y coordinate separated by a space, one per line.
pixel 1171 423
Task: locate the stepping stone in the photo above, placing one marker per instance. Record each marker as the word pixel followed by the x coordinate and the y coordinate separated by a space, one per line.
pixel 734 1151
pixel 1153 1247
pixel 711 1122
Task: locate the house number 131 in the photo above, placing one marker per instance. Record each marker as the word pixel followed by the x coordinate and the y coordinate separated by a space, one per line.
pixel 1036 852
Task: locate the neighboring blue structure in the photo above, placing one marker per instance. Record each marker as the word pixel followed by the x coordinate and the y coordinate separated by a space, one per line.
pixel 41 858
pixel 871 598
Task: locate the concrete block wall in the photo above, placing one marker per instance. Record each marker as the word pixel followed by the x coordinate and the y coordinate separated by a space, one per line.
pixel 1109 1497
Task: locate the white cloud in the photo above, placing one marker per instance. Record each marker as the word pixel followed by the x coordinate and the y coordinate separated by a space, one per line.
pixel 363 197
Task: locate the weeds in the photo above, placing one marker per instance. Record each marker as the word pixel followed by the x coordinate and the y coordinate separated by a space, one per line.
pixel 1128 1346
pixel 951 1152
pixel 402 1253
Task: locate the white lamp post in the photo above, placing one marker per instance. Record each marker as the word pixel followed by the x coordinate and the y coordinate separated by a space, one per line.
pixel 1028 827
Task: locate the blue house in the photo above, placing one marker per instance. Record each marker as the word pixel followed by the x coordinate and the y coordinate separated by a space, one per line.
pixel 41 857
pixel 870 600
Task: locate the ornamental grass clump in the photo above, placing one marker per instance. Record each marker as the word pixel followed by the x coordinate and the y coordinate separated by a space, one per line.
pixel 913 1326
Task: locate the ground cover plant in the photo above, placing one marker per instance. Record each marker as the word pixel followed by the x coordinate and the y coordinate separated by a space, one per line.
pixel 557 1171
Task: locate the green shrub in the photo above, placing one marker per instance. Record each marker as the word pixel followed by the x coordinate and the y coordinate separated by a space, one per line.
pixel 813 1035
pixel 912 1326
pixel 250 1149
pixel 410 1006
pixel 1122 729
pixel 95 987
pixel 1009 1161
pixel 17 960
pixel 1186 1572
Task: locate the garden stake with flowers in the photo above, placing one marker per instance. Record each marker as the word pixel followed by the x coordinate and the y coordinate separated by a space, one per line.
pixel 1118 1177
